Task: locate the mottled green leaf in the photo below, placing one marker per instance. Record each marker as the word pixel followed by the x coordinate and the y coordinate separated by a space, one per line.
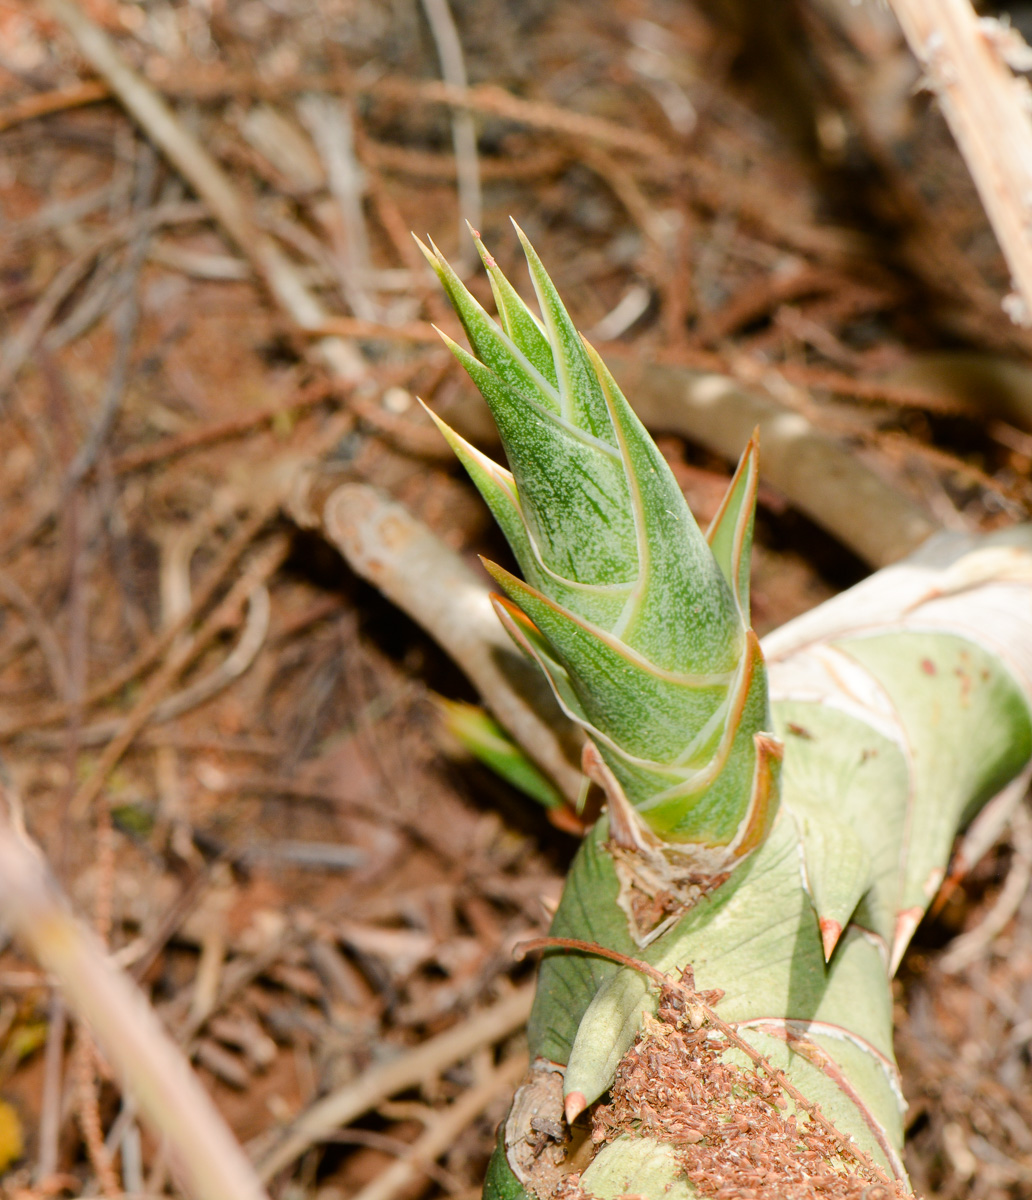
pixel 646 711
pixel 580 396
pixel 681 615
pixel 518 321
pixel 730 533
pixel 492 345
pixel 968 731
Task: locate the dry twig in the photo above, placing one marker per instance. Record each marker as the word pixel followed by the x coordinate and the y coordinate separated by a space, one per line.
pixel 133 1040
pixel 421 1063
pixel 189 156
pixel 464 132
pixel 967 63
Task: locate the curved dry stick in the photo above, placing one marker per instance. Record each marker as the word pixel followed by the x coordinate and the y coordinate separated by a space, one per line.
pixel 152 1069
pixel 819 475
pixel 386 545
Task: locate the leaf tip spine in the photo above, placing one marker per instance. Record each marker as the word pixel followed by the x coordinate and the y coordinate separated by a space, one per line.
pixel 907 922
pixel 574 1104
pixel 831 931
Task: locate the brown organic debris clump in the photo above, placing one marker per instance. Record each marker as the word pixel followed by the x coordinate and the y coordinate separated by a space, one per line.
pixel 735 1136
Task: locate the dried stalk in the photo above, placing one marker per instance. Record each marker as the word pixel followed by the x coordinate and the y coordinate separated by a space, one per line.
pixel 967 63
pixel 464 131
pixel 152 1069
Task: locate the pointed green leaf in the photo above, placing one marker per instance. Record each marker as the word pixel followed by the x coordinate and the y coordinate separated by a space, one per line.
pixel 682 614
pixel 517 320
pixel 714 816
pixel 831 753
pixel 838 867
pixel 649 713
pixel 730 533
pixel 485 739
pixel 579 393
pixel 568 980
pixel 601 604
pixel 571 495
pixel 490 344
pixel 498 489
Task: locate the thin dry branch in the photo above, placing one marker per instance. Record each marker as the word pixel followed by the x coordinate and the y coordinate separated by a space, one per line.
pixel 967 63
pixel 419 1064
pixel 487 98
pixel 151 1067
pixel 464 131
pixel 186 153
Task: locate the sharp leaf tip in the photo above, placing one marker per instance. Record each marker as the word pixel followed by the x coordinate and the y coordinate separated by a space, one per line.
pixel 574 1104
pixel 831 931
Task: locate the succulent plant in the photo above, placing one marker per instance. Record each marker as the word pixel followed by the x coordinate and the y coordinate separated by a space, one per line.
pixel 640 623
pixel 783 883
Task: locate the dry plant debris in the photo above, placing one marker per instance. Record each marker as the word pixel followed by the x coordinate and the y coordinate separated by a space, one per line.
pixel 257 813
pixel 736 1132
